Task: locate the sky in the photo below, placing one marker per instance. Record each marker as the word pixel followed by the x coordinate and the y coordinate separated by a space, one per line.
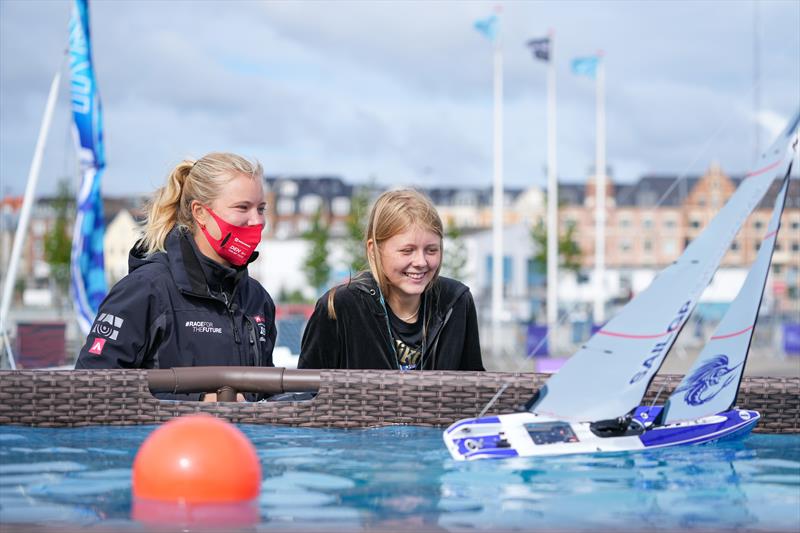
pixel 400 92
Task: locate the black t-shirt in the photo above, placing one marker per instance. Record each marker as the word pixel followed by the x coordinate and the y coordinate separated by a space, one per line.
pixel 407 340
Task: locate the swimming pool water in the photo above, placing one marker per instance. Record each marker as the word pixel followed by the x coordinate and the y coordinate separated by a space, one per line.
pixel 402 477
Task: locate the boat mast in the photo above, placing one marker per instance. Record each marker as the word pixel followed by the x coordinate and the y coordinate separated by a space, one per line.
pixel 25 214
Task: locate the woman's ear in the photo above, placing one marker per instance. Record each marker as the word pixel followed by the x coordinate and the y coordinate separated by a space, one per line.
pixel 198 213
pixel 370 249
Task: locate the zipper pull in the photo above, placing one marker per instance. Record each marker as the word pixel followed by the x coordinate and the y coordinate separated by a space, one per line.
pixel 236 336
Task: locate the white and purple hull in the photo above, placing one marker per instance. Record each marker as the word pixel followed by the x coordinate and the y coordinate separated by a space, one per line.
pixel 528 434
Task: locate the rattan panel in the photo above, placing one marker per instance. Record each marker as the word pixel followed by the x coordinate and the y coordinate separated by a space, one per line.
pixel 346 399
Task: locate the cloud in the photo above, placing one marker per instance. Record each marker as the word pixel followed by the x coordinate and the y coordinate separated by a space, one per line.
pixel 400 90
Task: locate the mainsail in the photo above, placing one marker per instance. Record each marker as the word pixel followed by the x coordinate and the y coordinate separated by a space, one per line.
pixel 608 376
pixel 711 384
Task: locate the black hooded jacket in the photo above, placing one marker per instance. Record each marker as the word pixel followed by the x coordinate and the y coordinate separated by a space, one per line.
pixel 359 337
pixel 181 309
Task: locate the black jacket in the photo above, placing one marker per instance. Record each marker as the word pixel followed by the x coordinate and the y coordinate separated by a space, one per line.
pixel 181 309
pixel 359 337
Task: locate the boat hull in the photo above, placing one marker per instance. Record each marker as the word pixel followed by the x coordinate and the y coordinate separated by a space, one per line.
pixel 529 434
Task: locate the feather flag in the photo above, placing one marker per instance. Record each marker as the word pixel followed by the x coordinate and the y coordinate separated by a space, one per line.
pixel 540 48
pixel 585 66
pixel 88 281
pixel 488 27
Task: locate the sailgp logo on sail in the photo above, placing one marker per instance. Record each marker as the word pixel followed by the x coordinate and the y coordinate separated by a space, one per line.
pixel 660 347
pixel 704 383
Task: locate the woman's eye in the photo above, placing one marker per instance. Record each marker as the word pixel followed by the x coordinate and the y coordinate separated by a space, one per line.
pixel 261 209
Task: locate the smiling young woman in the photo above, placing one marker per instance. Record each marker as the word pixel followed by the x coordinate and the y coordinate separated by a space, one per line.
pixel 400 314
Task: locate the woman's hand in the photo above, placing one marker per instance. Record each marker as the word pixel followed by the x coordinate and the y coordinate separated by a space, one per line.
pixel 212 397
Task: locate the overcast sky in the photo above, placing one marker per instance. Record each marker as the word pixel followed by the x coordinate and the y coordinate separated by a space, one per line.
pixel 398 90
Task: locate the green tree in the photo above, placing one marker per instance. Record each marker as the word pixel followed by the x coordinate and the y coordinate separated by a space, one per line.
pixel 356 226
pixel 316 265
pixel 455 253
pixel 58 241
pixel 569 253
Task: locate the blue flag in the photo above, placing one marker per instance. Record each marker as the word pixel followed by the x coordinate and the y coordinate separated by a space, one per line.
pixel 586 66
pixel 488 27
pixel 88 280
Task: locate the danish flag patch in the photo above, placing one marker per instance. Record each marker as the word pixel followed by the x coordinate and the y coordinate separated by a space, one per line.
pixel 97 346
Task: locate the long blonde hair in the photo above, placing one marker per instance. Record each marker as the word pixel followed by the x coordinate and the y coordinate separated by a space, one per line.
pixel 201 180
pixel 393 213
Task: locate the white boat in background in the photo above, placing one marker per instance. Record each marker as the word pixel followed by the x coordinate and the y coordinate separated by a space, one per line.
pixel 593 404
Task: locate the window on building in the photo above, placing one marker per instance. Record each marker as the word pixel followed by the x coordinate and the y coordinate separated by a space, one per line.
pixel 625 245
pixel 506 272
pixel 694 223
pixel 310 204
pixel 340 206
pixel 285 206
pixel 670 223
pixel 669 247
pixel 624 222
pixel 758 224
pixel 287 188
pixel 537 276
pixel 795 246
pixel 735 245
pixel 647 246
pixel 647 223
pixel 795 224
pixel 465 198
pixel 283 229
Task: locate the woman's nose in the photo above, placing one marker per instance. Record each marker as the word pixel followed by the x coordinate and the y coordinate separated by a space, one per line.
pixel 256 219
pixel 418 258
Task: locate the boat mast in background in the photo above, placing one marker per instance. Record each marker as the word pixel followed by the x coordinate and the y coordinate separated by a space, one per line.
pixel 7 356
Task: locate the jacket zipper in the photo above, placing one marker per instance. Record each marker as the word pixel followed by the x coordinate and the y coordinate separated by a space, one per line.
pixel 253 344
pixel 236 336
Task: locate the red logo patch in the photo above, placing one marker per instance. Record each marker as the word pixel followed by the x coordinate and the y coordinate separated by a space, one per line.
pixel 97 346
pixel 259 319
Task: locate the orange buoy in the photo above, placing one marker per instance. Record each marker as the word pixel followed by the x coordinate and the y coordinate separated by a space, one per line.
pixel 196 459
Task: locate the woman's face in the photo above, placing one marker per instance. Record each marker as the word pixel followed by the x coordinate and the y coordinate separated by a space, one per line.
pixel 410 259
pixel 241 203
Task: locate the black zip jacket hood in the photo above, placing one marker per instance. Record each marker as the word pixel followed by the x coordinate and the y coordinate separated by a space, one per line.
pixel 180 308
pixel 359 337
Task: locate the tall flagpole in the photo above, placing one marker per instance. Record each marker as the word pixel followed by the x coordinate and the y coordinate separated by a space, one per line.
pixel 600 196
pixel 497 199
pixel 552 202
pixel 25 211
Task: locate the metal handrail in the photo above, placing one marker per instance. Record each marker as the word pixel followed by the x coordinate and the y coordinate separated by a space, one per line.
pixel 227 381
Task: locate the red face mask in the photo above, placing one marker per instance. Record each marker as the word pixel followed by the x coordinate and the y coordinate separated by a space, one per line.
pixel 237 243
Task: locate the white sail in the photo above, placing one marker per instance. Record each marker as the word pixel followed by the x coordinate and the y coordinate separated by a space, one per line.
pixel 608 376
pixel 711 384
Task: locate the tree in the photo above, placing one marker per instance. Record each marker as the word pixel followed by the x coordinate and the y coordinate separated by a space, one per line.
pixel 455 254
pixel 316 265
pixel 356 226
pixel 569 253
pixel 58 241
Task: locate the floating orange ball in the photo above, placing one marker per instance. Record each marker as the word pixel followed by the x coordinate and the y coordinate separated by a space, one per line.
pixel 196 459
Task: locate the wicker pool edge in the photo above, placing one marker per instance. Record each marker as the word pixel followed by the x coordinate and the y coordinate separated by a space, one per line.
pixel 346 399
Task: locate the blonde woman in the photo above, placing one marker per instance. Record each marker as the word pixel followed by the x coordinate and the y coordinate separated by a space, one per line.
pixel 188 300
pixel 401 314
